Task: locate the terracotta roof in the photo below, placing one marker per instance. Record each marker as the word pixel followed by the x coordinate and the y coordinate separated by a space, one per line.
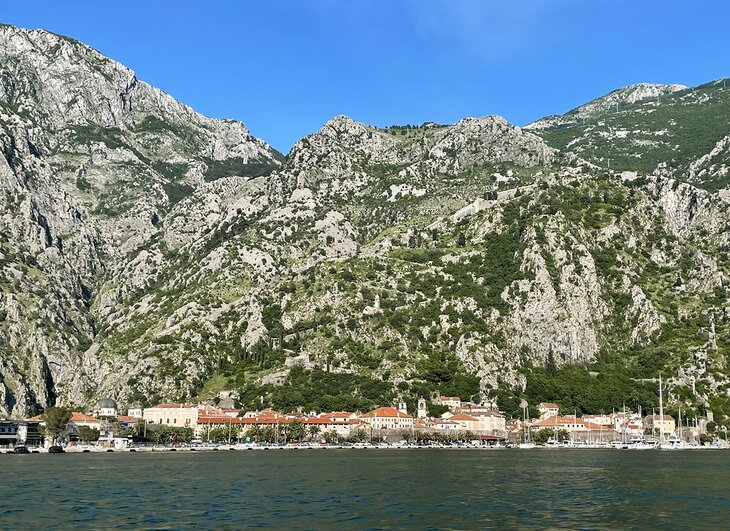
pixel 264 420
pixel 329 421
pixel 452 398
pixel 548 405
pixel 82 417
pixel 557 421
pixel 463 416
pixel 337 414
pixel 219 419
pixel 479 413
pixel 126 418
pixel 173 406
pixel 562 421
pixel 75 416
pixel 388 412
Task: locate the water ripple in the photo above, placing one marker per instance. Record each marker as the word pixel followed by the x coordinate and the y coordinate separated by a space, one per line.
pixel 427 489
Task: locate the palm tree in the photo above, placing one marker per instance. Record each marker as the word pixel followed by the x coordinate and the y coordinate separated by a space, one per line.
pixel 255 432
pixel 314 430
pixel 296 430
pixel 360 435
pixel 331 437
pixel 270 433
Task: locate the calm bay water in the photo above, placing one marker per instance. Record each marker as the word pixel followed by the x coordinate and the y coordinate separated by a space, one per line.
pixel 336 489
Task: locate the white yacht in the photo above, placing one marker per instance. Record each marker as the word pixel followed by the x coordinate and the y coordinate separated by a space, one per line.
pixel 637 443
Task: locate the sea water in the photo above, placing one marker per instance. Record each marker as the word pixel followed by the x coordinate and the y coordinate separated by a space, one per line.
pixel 356 489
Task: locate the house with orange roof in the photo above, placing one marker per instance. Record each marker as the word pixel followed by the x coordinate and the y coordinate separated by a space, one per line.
pixel 421 424
pixel 77 420
pixel 339 416
pixel 127 420
pixel 342 423
pixel 486 420
pixel 600 419
pixel 210 420
pixel 466 421
pixel 436 425
pixel 572 424
pixel 388 418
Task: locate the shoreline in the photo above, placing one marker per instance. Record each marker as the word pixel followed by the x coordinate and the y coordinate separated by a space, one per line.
pixel 273 447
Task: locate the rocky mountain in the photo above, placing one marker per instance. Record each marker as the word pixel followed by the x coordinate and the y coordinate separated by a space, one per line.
pixel 150 253
pixel 668 130
pixel 93 160
pixel 606 104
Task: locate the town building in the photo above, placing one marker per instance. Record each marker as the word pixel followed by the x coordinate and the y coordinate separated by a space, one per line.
pixel 656 424
pixel 572 424
pixel 491 422
pixel 514 426
pixel 175 415
pixel 444 425
pixel 19 432
pixel 422 409
pixel 136 411
pixel 627 423
pixel 451 402
pixel 76 421
pixel 79 419
pixel 126 421
pixel 601 420
pixel 388 418
pixel 343 424
pixel 466 421
pixel 548 410
pixel 106 408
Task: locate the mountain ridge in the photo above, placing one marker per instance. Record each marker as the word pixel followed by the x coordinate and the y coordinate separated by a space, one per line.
pixel 173 259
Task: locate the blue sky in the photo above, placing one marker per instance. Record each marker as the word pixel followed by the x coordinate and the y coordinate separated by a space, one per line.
pixel 286 67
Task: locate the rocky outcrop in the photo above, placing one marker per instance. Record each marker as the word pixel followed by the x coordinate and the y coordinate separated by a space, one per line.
pixel 148 252
pixel 611 101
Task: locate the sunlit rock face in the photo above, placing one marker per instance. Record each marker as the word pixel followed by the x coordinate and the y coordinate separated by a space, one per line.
pixel 149 253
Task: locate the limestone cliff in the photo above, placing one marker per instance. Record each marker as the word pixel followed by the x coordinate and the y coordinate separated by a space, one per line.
pixel 149 253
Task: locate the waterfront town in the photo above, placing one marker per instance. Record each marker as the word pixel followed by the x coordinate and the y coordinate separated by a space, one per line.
pixel 172 425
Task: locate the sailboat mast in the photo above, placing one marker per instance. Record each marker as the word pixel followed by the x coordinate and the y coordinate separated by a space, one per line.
pixel 680 423
pixel 524 425
pixel 661 411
